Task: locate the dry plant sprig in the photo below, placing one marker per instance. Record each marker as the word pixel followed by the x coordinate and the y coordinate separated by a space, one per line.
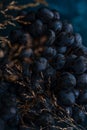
pixel 13 6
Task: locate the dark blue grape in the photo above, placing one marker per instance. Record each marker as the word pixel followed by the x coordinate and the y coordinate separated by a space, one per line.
pixel 66 81
pixel 82 99
pixel 49 52
pixel 78 115
pixel 78 40
pixel 59 61
pixel 81 51
pixel 26 53
pixel 51 37
pixel 69 60
pixel 66 98
pixel 82 81
pixel 55 25
pixel 50 72
pixel 41 64
pixel 69 40
pixel 76 93
pixel 45 14
pixel 65 39
pixel 79 65
pixel 24 39
pixel 62 49
pixel 67 27
pixel 36 29
pixel 56 15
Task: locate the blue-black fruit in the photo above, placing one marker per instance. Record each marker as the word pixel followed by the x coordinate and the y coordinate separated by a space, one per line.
pixel 82 99
pixel 36 29
pixel 66 81
pixel 62 49
pixel 45 14
pixel 56 15
pixel 41 64
pixel 78 40
pixel 67 27
pixel 78 115
pixel 66 98
pixel 55 25
pixel 49 52
pixel 59 61
pixel 82 81
pixel 79 65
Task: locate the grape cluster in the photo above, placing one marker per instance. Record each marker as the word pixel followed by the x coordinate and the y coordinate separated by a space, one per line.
pixel 43 74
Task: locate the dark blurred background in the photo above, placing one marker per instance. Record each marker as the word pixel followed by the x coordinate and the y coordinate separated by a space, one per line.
pixel 73 10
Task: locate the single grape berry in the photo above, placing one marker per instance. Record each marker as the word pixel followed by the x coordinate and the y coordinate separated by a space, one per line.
pixel 62 49
pixel 56 15
pixel 26 53
pixel 66 81
pixel 55 25
pixel 82 99
pixel 41 64
pixel 45 14
pixel 59 61
pixel 49 72
pixel 81 51
pixel 78 115
pixel 82 81
pixel 66 98
pixel 65 39
pixel 78 40
pixel 49 52
pixel 67 27
pixel 36 29
pixel 79 65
